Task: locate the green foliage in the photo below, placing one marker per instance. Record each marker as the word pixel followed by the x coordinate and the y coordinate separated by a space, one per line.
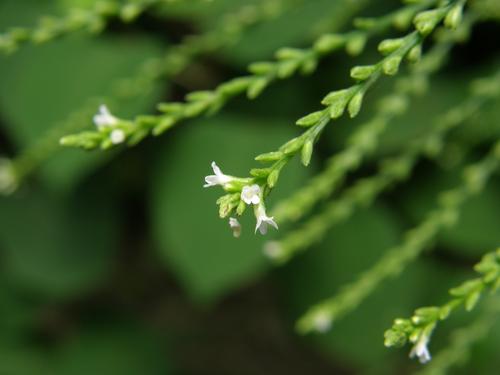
pixel 197 248
pixel 116 263
pixel 421 325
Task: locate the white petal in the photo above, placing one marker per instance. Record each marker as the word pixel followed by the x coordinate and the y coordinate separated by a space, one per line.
pixel 216 169
pixel 117 136
pixel 251 194
pixel 235 226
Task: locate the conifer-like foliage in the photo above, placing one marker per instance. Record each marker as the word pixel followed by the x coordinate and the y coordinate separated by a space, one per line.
pixel 353 149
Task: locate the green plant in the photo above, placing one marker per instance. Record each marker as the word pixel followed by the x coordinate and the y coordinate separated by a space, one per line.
pixel 416 46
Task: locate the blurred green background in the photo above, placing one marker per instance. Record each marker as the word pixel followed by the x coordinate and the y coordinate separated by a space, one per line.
pixel 116 263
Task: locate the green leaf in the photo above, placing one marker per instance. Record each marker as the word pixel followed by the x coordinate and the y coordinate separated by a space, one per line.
pixel 193 242
pixel 326 268
pixel 70 245
pixel 476 230
pixel 55 80
pixel 123 348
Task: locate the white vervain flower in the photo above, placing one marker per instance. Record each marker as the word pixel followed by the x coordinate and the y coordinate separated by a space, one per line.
pixel 104 118
pixel 263 221
pixel 251 194
pixel 218 178
pixel 235 226
pixel 322 321
pixel 117 136
pixel 273 250
pixel 420 349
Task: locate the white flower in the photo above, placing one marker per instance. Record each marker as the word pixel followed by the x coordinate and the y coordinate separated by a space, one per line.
pixel 273 250
pixel 251 194
pixel 117 136
pixel 218 178
pixel 263 220
pixel 104 118
pixel 420 349
pixel 322 321
pixel 235 226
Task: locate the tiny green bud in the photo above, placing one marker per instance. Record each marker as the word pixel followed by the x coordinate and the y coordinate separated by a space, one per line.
pixel 291 146
pixel 415 54
pixel 454 17
pixel 310 119
pixel 240 209
pixel 391 64
pixel 164 124
pixel 234 86
pixel 328 43
pixel 355 104
pixel 260 172
pixel 273 177
pixel 287 68
pixel 130 11
pixel 337 101
pixel 365 23
pixel 261 67
pixel 388 46
pixel 270 156
pixel 426 21
pixel 196 96
pixel 289 53
pixel 256 87
pixel 356 43
pixel 362 73
pixel 307 151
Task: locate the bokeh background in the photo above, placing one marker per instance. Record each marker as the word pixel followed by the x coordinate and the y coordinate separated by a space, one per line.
pixel 116 262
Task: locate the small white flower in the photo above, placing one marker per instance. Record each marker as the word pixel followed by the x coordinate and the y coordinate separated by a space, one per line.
pixel 235 226
pixel 251 194
pixel 117 136
pixel 104 118
pixel 322 321
pixel 263 221
pixel 273 250
pixel 218 178
pixel 420 349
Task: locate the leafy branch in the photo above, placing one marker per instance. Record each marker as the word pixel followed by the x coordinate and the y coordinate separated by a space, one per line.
pixel 228 31
pixel 364 141
pixel 462 340
pixel 288 62
pixel 418 329
pixel 263 180
pixel 92 19
pixel 390 171
pixel 415 242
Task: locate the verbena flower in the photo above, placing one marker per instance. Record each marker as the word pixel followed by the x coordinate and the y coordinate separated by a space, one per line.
pixel 251 194
pixel 273 250
pixel 235 226
pixel 218 178
pixel 117 136
pixel 263 221
pixel 420 349
pixel 322 321
pixel 104 118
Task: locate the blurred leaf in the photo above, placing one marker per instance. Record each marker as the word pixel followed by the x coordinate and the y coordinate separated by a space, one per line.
pixel 56 247
pixel 477 228
pixel 349 249
pixel 198 246
pixel 22 361
pixel 113 349
pixel 295 27
pixel 36 98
